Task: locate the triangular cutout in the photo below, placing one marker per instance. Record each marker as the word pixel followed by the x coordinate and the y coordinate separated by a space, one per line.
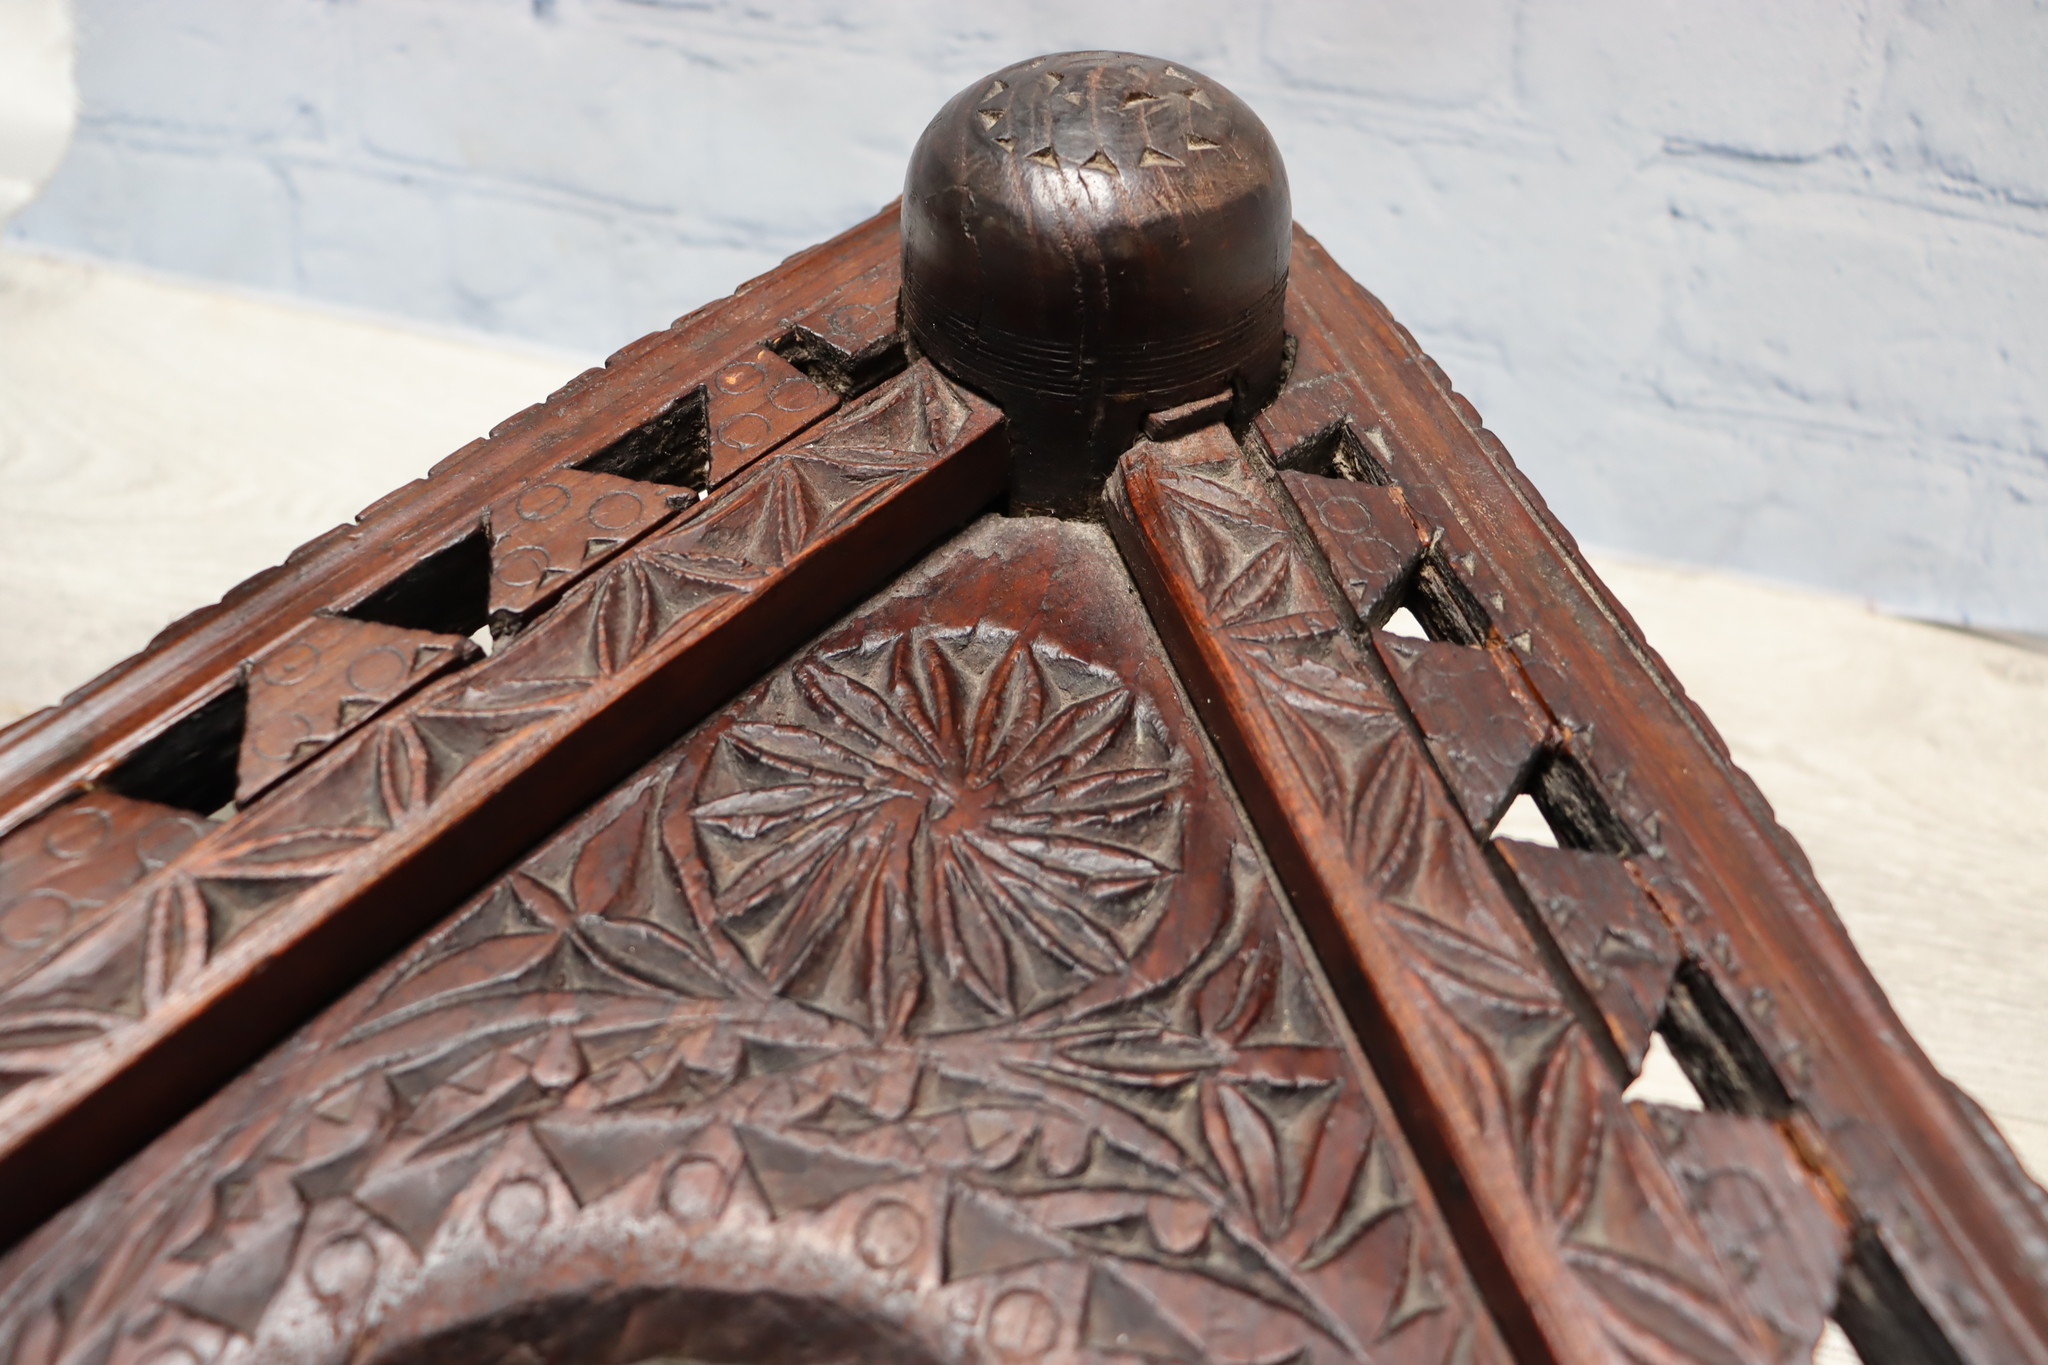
pixel 1525 822
pixel 672 447
pixel 446 593
pixel 192 764
pixel 1660 1079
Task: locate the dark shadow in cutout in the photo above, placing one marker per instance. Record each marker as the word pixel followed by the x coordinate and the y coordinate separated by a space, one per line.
pixel 1575 809
pixel 1445 606
pixel 193 764
pixel 1718 1053
pixel 448 592
pixel 846 373
pixel 672 447
pixel 623 1326
pixel 1880 1314
pixel 1834 1346
pixel 1338 452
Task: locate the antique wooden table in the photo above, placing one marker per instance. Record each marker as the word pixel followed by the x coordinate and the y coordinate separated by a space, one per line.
pixel 941 859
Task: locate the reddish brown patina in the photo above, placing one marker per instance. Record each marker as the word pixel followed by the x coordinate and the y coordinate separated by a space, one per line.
pixel 839 920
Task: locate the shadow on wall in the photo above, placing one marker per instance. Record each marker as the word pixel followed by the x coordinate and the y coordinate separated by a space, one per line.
pixel 1754 285
pixel 38 99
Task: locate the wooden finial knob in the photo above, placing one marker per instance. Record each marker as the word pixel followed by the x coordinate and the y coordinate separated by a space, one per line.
pixel 1088 238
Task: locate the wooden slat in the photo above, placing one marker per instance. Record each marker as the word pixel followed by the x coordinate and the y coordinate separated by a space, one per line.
pixel 283 905
pixel 1609 934
pixel 51 754
pixel 1790 1014
pixel 1561 1197
pixel 1754 1200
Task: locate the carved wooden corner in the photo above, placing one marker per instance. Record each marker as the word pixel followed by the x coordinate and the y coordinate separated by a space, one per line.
pixel 941 861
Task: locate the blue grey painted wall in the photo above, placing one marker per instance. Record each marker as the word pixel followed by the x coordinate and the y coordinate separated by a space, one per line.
pixel 1761 284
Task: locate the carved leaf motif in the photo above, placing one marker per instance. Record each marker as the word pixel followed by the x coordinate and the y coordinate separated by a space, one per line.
pixel 1501 1049
pixel 1255 581
pixel 605 1029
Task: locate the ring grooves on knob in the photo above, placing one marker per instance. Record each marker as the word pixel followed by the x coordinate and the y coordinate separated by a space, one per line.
pixel 1089 237
pixel 999 360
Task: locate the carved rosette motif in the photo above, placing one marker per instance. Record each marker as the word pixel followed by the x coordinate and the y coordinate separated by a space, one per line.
pixel 332 819
pixel 646 1061
pixel 961 827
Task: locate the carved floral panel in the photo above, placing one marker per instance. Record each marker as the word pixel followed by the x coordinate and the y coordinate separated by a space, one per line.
pixel 931 996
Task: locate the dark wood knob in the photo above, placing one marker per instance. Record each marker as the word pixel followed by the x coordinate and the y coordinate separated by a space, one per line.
pixel 1090 237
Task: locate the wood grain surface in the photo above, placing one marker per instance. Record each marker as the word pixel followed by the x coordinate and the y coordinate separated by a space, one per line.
pixel 943 996
pixel 49 755
pixel 213 953
pixel 1581 1230
pixel 1774 1012
pixel 931 1002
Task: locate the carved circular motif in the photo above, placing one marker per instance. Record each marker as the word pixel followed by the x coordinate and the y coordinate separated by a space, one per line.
pixel 1023 806
pixel 292 664
pixel 77 832
pixel 378 670
pixel 745 431
pixel 165 839
pixel 35 919
pixel 792 394
pixel 542 501
pixel 744 377
pixel 342 1268
pixel 616 510
pixel 523 568
pixel 695 1190
pixel 1346 516
pixel 1023 1324
pixel 280 735
pixel 516 1209
pixel 889 1234
pixel 851 320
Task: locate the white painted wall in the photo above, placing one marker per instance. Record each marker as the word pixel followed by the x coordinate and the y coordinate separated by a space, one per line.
pixel 38 102
pixel 1754 283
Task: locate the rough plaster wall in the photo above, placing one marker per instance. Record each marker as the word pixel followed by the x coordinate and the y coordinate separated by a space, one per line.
pixel 1761 284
